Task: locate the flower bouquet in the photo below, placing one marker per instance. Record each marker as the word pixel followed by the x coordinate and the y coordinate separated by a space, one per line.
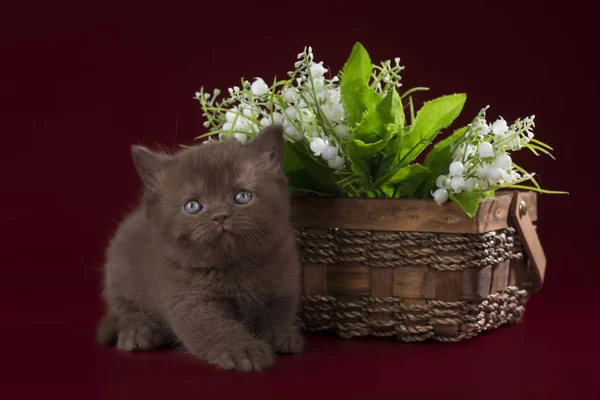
pixel 357 134
pixel 380 258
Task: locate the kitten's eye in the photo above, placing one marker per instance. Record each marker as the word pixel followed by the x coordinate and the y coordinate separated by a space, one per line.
pixel 242 197
pixel 192 207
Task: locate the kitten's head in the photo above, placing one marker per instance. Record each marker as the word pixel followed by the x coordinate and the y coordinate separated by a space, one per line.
pixel 218 202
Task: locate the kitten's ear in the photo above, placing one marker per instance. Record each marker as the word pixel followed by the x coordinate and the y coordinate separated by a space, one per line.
pixel 149 165
pixel 270 140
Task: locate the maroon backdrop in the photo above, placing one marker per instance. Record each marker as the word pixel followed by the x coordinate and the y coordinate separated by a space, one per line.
pixel 80 83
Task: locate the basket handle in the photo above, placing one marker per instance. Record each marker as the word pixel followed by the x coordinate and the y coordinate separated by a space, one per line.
pixel 529 238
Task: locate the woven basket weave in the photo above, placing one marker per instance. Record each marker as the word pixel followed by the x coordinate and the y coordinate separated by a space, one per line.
pixel 405 269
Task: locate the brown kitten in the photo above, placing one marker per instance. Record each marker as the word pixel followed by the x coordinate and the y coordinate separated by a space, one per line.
pixel 209 258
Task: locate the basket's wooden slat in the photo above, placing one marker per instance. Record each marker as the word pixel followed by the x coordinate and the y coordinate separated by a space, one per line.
pixel 408 282
pixel 447 285
pixel 500 274
pixel 429 283
pixel 315 281
pixel 530 197
pixel 381 286
pixel 351 280
pixel 412 215
pixel 445 330
pixel 475 283
pixel 530 240
pixel 420 302
pixel 519 275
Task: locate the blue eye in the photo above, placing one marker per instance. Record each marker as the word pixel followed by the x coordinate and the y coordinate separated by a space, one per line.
pixel 242 197
pixel 192 207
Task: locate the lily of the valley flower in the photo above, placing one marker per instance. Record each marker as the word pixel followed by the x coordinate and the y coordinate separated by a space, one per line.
pixel 440 196
pixel 259 87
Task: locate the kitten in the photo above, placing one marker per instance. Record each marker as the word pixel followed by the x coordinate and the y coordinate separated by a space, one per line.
pixel 209 258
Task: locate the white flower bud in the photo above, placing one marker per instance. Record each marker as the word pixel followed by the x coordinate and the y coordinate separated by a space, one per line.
pixel 442 182
pixel 264 122
pixel 457 183
pixel 247 112
pixel 206 124
pixel 290 95
pixel 440 196
pixel 227 126
pixel 456 168
pixel 495 174
pixel 317 70
pixel 482 171
pixel 503 162
pixel 259 87
pixel 485 150
pixel 231 114
pixel 240 137
pixel 291 112
pixel 470 184
pixel 292 132
pixel 277 118
pixel 318 146
pixel 336 163
pixel 341 131
pixel 330 153
pixel 499 127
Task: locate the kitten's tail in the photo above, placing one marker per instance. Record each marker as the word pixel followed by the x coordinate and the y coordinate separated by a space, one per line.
pixel 108 330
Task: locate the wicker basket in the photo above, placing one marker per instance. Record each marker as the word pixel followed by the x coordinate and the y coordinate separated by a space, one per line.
pixel 413 270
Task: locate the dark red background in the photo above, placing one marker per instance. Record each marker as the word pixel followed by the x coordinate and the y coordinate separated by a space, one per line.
pixel 81 82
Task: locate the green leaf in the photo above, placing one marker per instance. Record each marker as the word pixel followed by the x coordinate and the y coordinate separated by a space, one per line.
pixel 434 116
pixel 391 111
pixel 368 130
pixel 468 201
pixel 361 155
pixel 438 161
pixel 357 97
pixel 305 173
pixel 403 182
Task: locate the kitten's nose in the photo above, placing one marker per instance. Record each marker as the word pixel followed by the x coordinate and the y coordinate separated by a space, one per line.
pixel 220 218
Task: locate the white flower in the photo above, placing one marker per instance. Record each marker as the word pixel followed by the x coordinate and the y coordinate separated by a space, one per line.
pixel 277 118
pixel 494 173
pixel 330 153
pixel 336 163
pixel 470 184
pixel 333 112
pixel 506 177
pixel 440 196
pixel 481 127
pixel 341 131
pixel 485 150
pixel 290 95
pixel 291 112
pixel 457 183
pixel 231 114
pixel 227 126
pixel 317 70
pixel 442 182
pixel 240 137
pixel 499 127
pixel 247 112
pixel 264 122
pixel 292 132
pixel 482 170
pixel 318 146
pixel 259 87
pixel 503 162
pixel 456 168
pixel 483 183
pixel 334 95
pixel 515 175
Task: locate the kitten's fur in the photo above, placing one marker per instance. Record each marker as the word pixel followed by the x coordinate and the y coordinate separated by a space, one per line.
pixel 229 298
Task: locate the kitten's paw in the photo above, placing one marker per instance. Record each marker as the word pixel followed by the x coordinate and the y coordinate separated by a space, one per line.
pixel 288 340
pixel 140 337
pixel 254 355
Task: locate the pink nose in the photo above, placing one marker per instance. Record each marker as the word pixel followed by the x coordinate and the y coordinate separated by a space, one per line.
pixel 220 218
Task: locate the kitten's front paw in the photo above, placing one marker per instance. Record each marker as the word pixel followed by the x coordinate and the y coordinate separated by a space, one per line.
pixel 288 340
pixel 139 337
pixel 253 355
